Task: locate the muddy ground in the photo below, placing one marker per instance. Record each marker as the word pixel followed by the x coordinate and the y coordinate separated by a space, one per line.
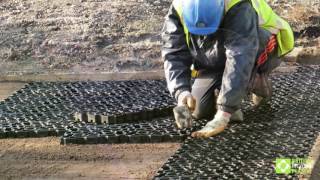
pixel 39 36
pixel 45 158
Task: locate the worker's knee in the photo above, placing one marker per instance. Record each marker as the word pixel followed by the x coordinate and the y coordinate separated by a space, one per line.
pixel 203 113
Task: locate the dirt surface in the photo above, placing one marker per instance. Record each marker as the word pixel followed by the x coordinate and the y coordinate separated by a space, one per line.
pixel 315 156
pixel 316 171
pixel 45 158
pixel 38 36
pixel 76 35
pixel 8 88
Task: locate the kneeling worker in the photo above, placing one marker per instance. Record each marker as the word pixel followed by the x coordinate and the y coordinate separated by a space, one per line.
pixel 233 45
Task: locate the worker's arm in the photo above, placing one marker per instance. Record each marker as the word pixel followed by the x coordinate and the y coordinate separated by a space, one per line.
pixel 241 43
pixel 176 55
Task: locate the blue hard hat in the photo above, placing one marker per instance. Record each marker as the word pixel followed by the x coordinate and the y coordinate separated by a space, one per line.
pixel 202 17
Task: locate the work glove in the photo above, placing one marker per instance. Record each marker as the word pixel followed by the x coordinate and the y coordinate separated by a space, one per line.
pixel 186 99
pixel 183 112
pixel 215 126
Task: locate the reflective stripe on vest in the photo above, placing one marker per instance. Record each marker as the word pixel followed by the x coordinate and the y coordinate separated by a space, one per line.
pixel 267 20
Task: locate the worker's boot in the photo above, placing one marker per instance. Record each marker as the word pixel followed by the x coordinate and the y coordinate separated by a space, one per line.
pixel 256 100
pixel 237 116
pixel 261 89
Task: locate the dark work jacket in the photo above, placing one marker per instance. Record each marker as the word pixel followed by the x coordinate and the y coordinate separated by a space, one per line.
pixel 232 50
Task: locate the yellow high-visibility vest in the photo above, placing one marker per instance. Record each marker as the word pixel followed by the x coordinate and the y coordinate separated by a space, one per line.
pixel 268 20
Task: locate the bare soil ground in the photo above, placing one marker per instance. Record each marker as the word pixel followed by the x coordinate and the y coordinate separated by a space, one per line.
pixel 304 17
pixel 76 35
pixel 45 158
pixel 38 36
pixel 8 88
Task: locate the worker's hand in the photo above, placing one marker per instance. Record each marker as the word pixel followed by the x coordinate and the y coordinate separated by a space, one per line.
pixel 183 117
pixel 183 112
pixel 186 99
pixel 215 126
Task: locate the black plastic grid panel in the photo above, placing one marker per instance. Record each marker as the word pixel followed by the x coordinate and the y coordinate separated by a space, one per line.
pixel 285 127
pixel 155 131
pixel 47 108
